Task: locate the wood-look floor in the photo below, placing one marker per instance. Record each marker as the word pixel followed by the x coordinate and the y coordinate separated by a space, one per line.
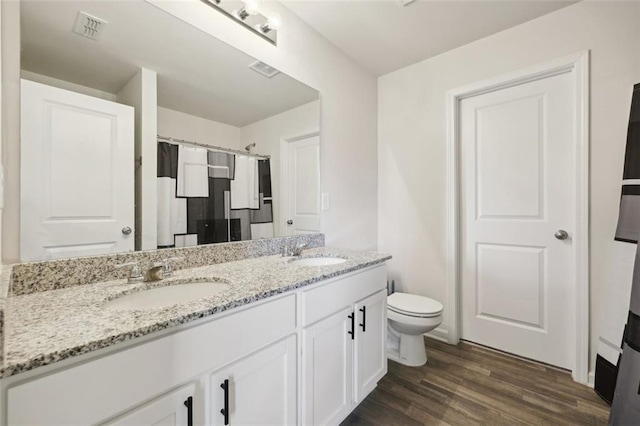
pixel 468 384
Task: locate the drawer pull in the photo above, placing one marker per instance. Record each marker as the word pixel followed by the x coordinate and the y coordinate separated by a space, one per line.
pixel 364 318
pixel 189 404
pixel 225 410
pixel 353 325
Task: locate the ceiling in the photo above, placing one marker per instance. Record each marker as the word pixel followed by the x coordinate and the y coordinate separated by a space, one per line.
pixel 197 73
pixel 383 36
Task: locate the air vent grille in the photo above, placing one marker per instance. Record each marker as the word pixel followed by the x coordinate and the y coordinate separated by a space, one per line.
pixel 89 26
pixel 264 69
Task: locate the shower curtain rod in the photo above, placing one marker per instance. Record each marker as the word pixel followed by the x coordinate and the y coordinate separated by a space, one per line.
pixel 211 147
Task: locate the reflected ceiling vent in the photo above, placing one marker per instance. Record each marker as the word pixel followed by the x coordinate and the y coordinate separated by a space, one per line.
pixel 264 69
pixel 89 26
pixel 405 2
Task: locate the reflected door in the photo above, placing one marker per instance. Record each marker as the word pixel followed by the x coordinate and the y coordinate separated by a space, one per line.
pixel 516 178
pixel 303 186
pixel 77 174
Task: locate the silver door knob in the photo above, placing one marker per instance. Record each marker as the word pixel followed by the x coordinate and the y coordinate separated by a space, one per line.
pixel 126 230
pixel 561 234
pixel 289 222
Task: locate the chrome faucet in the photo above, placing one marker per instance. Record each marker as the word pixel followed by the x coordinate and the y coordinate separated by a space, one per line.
pixel 158 270
pixel 135 273
pixel 288 251
pixel 297 251
pixel 155 273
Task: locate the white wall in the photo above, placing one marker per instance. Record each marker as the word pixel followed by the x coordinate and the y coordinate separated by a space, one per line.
pixel 348 111
pixel 11 129
pixel 66 85
pixel 179 125
pixel 267 135
pixel 141 93
pixel 412 134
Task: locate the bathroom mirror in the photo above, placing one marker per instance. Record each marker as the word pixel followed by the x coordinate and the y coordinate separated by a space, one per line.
pixel 140 131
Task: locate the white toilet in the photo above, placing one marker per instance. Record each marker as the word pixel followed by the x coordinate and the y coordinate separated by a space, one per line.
pixel 409 317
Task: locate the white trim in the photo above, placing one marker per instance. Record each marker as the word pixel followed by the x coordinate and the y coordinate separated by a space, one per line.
pixel 591 379
pixel 439 333
pixel 284 177
pixel 578 65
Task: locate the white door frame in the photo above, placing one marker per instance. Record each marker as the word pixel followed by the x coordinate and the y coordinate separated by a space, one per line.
pixel 578 65
pixel 284 176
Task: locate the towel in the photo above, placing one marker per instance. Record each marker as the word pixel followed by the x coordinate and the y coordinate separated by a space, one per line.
pixel 172 212
pixel 245 185
pixel 193 172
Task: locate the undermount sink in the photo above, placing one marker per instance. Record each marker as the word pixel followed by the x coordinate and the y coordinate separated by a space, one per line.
pixel 319 261
pixel 168 295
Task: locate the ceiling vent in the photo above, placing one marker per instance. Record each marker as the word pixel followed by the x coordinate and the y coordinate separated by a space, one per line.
pixel 89 26
pixel 264 69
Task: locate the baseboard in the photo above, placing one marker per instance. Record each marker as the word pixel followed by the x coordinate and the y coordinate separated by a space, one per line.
pixel 440 333
pixel 591 379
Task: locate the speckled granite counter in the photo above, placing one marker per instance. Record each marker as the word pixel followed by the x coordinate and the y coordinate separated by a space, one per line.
pixel 46 327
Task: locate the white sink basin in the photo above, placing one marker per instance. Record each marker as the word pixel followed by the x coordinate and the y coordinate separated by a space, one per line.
pixel 319 261
pixel 168 295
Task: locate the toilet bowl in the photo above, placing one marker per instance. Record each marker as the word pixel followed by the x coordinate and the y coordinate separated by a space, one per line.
pixel 409 317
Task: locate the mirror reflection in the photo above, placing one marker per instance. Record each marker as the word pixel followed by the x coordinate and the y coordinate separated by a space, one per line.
pixel 140 131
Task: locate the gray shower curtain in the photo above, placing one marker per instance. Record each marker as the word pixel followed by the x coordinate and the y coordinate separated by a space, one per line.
pixel 625 409
pixel 195 194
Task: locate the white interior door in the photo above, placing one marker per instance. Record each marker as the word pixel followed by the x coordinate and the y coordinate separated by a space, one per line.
pixel 303 186
pixel 516 193
pixel 77 174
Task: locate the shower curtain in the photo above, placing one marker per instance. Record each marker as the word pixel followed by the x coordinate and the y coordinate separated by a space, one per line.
pixel 618 372
pixel 209 197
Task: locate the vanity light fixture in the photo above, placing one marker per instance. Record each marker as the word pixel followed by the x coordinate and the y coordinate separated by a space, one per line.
pixel 250 17
pixel 250 8
pixel 273 23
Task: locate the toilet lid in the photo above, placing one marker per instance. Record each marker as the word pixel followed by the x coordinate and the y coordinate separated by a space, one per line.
pixel 413 304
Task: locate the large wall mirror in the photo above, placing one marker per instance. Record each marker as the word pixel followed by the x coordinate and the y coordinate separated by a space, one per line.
pixel 139 131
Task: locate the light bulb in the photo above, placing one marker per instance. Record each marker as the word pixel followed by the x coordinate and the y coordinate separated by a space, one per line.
pixel 274 22
pixel 251 7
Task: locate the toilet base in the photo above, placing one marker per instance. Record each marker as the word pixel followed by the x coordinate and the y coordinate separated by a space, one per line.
pixel 411 351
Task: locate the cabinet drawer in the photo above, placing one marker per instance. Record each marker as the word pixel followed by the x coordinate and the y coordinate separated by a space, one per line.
pixel 107 386
pixel 341 292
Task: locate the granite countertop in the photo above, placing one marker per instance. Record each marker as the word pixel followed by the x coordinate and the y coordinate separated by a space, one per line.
pixel 46 327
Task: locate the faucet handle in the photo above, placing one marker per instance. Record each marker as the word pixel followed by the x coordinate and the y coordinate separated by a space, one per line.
pixel 135 273
pixel 166 265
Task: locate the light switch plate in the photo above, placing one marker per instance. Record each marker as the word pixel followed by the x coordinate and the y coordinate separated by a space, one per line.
pixel 325 201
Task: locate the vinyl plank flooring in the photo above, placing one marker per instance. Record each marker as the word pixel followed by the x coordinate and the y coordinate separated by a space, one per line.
pixel 470 385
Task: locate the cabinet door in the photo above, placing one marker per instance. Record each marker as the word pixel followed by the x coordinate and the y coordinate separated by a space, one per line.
pixel 260 389
pixel 371 339
pixel 173 409
pixel 327 377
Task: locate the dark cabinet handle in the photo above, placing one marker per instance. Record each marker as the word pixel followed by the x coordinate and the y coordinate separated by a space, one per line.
pixel 364 318
pixel 353 324
pixel 189 404
pixel 225 410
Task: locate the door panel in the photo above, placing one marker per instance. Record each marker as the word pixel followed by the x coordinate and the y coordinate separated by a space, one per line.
pixel 516 191
pixel 167 410
pixel 327 379
pixel 371 343
pixel 303 186
pixel 77 177
pixel 262 388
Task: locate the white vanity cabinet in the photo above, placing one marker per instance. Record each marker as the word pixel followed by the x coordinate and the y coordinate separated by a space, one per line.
pixel 259 389
pixel 343 345
pixel 173 409
pixel 308 356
